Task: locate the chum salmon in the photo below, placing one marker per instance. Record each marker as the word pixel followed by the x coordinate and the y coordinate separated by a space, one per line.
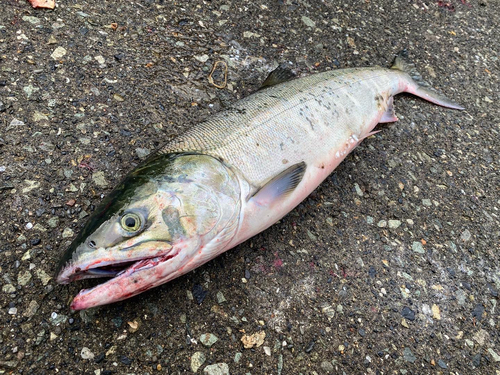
pixel 231 176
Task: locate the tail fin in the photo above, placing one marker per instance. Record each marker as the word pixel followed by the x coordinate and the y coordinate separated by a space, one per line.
pixel 420 87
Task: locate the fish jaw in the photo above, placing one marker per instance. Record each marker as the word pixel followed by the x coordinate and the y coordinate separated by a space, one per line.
pixel 145 274
pixel 94 263
pixel 139 277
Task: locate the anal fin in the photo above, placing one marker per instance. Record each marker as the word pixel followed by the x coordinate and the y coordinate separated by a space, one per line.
pixel 279 186
pixel 389 114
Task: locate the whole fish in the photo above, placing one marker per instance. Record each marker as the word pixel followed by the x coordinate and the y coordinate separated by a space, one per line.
pixel 230 177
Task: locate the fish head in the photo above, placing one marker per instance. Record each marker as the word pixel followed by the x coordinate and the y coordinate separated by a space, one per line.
pixel 145 232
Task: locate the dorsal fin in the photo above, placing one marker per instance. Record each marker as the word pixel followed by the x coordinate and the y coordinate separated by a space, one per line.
pixel 279 75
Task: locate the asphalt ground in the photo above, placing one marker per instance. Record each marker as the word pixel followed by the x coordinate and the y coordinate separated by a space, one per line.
pixel 390 267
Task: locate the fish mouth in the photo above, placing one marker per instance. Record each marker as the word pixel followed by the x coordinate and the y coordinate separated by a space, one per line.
pixel 109 269
pixel 122 274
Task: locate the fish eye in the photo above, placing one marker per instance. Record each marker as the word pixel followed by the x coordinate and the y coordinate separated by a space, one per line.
pixel 131 222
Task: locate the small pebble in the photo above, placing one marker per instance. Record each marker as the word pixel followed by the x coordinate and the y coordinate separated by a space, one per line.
pixel 201 58
pixel 99 179
pixel 309 347
pixel 311 236
pixel 142 153
pixel 217 369
pixel 327 367
pixel 208 339
pixel 253 340
pixel 16 122
pixel 494 355
pixel 53 222
pixel 393 224
pixel 220 297
pixel 478 311
pixel 358 190
pixel 125 360
pixel 308 22
pixel 183 318
pixel 408 313
pixel 417 247
pixel 8 288
pixel 481 337
pixel 26 255
pixel 466 235
pixel 71 202
pixel 408 355
pixel 436 313
pixel 43 276
pixel 58 53
pixel 476 360
pixel 86 353
pixel 31 19
pixel 100 59
pixel 199 294
pixel 117 321
pixel 67 232
pixel 442 364
pixel 197 360
pixel 23 278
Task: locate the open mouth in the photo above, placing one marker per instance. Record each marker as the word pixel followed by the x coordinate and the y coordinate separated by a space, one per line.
pixel 126 278
pixel 112 269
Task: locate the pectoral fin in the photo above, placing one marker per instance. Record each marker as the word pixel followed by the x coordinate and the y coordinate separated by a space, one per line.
pixel 280 186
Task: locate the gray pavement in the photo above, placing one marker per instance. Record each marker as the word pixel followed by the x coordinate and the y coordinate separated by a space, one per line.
pixel 390 267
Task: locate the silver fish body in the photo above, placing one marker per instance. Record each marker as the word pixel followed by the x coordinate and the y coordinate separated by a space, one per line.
pixel 231 177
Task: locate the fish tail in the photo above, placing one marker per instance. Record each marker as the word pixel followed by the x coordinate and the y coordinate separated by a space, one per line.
pixel 418 86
